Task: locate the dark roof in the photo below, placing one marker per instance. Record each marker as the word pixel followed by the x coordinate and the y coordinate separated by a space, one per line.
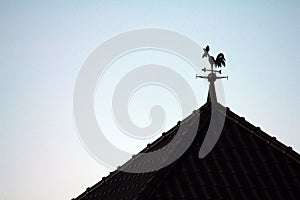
pixel 246 163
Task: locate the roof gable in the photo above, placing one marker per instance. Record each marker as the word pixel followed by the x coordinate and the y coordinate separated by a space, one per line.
pixel 245 163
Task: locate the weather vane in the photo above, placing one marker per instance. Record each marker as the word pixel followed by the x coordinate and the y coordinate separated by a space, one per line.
pixel 212 77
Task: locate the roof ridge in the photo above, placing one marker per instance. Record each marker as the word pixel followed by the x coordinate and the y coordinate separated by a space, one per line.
pixel 256 131
pixel 148 147
pixel 172 165
pixel 171 131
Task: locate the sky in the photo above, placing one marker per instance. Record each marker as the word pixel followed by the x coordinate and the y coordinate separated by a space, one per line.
pixel 43 47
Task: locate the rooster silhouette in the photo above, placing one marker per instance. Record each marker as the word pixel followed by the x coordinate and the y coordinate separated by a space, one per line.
pixel 218 62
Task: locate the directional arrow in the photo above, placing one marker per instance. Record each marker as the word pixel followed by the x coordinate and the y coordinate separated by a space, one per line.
pixel 211 70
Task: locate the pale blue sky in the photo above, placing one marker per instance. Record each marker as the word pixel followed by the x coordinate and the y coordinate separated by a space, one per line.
pixel 43 45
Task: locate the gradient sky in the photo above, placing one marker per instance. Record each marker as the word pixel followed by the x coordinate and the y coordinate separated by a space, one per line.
pixel 43 46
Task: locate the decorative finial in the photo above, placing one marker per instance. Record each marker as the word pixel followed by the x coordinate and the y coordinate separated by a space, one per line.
pixel 212 77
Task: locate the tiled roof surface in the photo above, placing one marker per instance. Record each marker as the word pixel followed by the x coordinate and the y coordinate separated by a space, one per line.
pixel 246 163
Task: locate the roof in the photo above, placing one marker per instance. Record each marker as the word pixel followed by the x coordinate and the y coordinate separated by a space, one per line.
pixel 245 163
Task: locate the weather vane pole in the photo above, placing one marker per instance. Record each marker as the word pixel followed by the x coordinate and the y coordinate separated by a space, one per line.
pixel 212 77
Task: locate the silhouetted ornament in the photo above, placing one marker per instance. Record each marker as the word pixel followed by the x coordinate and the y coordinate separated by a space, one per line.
pixel 212 77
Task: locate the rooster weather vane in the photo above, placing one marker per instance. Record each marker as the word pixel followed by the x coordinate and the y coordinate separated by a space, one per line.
pixel 212 77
